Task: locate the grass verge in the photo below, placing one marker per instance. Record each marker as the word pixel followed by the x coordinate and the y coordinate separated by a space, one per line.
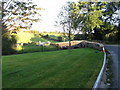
pixel 109 80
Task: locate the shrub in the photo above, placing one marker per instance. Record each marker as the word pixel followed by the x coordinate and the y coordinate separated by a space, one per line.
pixel 79 37
pixel 8 43
pixel 60 39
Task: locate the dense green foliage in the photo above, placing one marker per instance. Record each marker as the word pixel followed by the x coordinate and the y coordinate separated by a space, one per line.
pixel 8 43
pixel 79 37
pixel 16 15
pixel 96 20
pixel 76 68
pixel 19 14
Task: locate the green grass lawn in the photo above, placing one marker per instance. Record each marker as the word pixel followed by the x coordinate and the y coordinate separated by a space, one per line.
pixel 77 68
pixel 36 39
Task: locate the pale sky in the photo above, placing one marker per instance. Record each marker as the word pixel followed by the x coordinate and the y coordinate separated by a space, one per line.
pixel 49 15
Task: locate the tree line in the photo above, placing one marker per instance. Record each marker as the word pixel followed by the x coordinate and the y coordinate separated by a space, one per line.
pixel 95 20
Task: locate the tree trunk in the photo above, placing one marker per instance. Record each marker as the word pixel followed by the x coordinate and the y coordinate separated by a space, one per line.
pixel 118 32
pixel 1 9
pixel 69 36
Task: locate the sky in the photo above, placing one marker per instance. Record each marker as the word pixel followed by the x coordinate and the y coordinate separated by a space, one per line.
pixel 49 15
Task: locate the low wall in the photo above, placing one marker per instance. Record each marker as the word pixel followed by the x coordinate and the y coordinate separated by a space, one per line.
pixel 81 44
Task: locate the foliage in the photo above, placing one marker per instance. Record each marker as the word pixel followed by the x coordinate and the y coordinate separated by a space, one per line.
pixel 109 31
pixel 37 39
pixel 79 37
pixel 16 16
pixel 55 38
pixel 111 13
pixel 19 14
pixel 60 39
pixel 8 43
pixel 90 18
pixel 92 21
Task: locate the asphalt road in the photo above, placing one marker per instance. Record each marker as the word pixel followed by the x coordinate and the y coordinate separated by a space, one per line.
pixel 115 52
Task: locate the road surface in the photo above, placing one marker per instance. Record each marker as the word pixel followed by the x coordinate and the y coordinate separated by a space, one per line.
pixel 115 52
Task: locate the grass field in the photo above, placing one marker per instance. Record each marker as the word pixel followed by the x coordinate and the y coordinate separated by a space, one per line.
pixel 77 68
pixel 34 48
pixel 24 37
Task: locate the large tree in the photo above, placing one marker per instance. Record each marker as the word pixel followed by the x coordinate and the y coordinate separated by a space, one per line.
pixel 65 21
pixel 19 14
pixel 112 16
pixel 91 17
pixel 80 16
pixel 71 18
pixel 16 15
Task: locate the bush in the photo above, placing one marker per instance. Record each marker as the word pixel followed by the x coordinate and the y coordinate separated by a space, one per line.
pixel 60 39
pixel 79 37
pixel 8 43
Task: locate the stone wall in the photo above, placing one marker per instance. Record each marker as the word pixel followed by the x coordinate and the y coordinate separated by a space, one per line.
pixel 81 44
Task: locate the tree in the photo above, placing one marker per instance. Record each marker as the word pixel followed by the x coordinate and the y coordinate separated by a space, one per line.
pixel 16 15
pixel 94 16
pixel 0 31
pixel 91 17
pixel 110 20
pixel 65 22
pixel 70 18
pixel 8 43
pixel 111 15
pixel 80 16
pixel 19 14
pixel 111 12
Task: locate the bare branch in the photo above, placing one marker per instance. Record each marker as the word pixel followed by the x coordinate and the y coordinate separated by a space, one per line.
pixel 7 4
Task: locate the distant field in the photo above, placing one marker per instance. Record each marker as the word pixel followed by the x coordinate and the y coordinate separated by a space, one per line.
pixel 77 68
pixel 56 34
pixel 64 36
pixel 25 37
pixel 36 39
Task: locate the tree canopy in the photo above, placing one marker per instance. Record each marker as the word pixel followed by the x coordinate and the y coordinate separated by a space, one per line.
pixel 16 16
pixel 91 17
pixel 19 14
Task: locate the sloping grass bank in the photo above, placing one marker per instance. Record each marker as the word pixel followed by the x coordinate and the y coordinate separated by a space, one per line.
pixel 77 68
